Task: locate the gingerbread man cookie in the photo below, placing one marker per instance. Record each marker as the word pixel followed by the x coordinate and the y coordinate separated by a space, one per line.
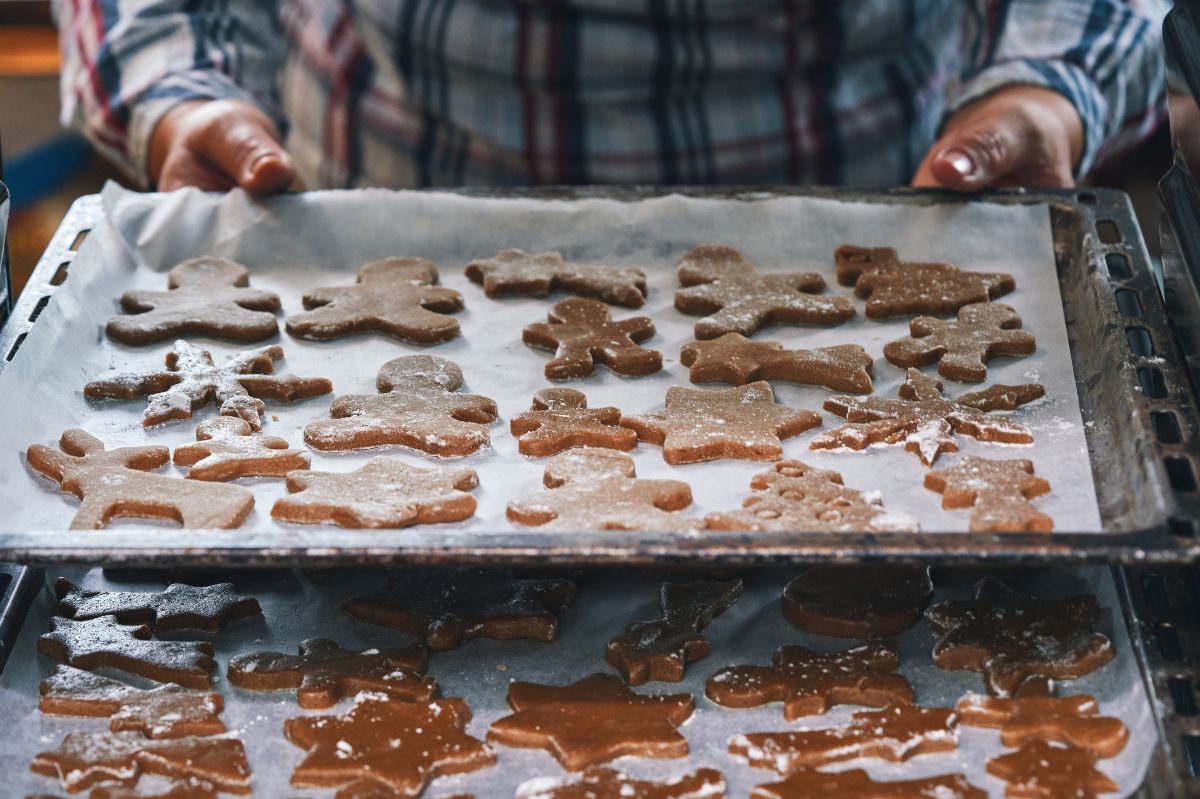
pixel 582 334
pixel 794 497
pixel 962 348
pixel 600 782
pixel 205 296
pixel 418 406
pixel 103 642
pixel 809 683
pixel 113 484
pixel 206 608
pixel 893 287
pixel 227 448
pixel 561 419
pixel 721 284
pixel 925 420
pixel 737 360
pixel 191 381
pixel 395 296
pixel 515 271
pixel 598 489
pixel 999 491
pixel 1041 770
pixel 706 425
pixel 857 601
pixel 856 784
pixel 1073 720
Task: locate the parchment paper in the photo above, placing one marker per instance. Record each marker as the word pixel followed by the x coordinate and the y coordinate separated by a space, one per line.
pixel 295 243
pixel 480 671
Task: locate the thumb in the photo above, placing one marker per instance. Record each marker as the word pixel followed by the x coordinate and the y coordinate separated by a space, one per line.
pixel 246 147
pixel 976 156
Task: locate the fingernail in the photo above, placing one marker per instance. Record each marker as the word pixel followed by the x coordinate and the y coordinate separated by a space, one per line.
pixel 960 162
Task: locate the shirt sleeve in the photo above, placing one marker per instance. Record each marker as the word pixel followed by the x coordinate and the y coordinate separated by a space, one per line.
pixel 127 62
pixel 1105 56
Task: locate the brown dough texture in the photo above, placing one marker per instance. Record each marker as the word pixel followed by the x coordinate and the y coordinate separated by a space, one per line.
pixel 893 287
pixel 895 733
pixel 205 296
pixel 395 296
pixel 582 334
pixel 191 381
pixel 999 491
pixel 601 782
pixel 167 711
pixel 227 448
pixel 112 484
pixel 402 745
pixel 737 360
pixel 661 649
pixel 417 406
pixel 188 789
pixel 707 425
pixel 1040 770
pixel 857 601
pixel 1073 720
pixel 443 608
pixel 794 497
pixel 592 721
pixel 515 271
pixel 180 607
pixel 598 489
pixel 1011 638
pixel 383 493
pixel 323 673
pixel 962 348
pixel 925 420
pixel 561 419
pixel 105 643
pixel 84 759
pixel 720 283
pixel 856 784
pixel 810 683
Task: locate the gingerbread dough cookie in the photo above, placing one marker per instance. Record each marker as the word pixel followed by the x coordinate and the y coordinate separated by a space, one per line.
pixel 593 721
pixel 443 608
pixel 417 406
pixel 105 643
pixel 112 484
pixel 189 789
pixel 600 782
pixel 515 271
pixel 168 711
pixel 191 381
pixel 737 360
pixel 856 784
pixel 84 759
pixel 207 608
pixel 999 491
pixel 395 296
pixel 962 348
pixel 705 425
pixel 896 733
pixel 598 489
pixel 661 649
pixel 402 745
pixel 893 287
pixel 857 601
pixel 794 497
pixel 383 493
pixel 1040 770
pixel 1073 720
pixel 582 334
pixel 323 673
pixel 809 683
pixel 227 448
pixel 925 420
pixel 720 283
pixel 205 296
pixel 1012 638
pixel 561 419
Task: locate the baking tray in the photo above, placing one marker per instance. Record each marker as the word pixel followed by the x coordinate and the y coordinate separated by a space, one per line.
pixel 1126 369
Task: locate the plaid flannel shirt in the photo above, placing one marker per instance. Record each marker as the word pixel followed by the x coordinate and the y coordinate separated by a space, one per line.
pixel 452 92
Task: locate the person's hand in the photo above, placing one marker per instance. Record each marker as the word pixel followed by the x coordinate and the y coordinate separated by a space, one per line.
pixel 1015 136
pixel 216 145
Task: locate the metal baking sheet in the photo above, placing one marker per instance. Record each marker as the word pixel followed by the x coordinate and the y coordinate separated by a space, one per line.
pixel 296 608
pixel 298 242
